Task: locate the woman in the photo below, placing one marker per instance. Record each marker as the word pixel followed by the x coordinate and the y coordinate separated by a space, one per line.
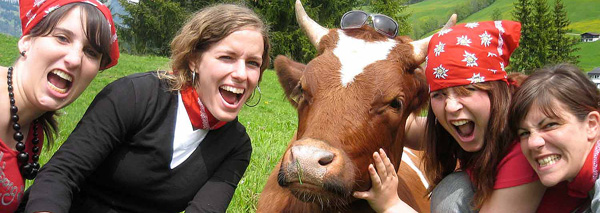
pixel 64 45
pixel 165 142
pixel 469 155
pixel 556 114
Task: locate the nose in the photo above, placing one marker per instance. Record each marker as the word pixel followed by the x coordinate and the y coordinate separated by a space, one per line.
pixel 74 57
pixel 311 157
pixel 453 104
pixel 535 141
pixel 240 73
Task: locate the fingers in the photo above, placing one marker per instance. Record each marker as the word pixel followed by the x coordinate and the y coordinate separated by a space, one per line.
pixel 389 167
pixel 375 178
pixel 380 165
pixel 362 195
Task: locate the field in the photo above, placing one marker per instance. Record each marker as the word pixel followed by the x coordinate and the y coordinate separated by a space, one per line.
pixel 270 124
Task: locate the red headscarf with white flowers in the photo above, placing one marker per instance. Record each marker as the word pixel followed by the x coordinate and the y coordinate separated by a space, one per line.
pixel 471 53
pixel 33 11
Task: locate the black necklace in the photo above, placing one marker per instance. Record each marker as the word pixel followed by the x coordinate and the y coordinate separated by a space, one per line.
pixel 28 170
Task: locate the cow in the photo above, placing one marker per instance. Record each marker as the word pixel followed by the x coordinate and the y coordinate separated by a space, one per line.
pixel 353 98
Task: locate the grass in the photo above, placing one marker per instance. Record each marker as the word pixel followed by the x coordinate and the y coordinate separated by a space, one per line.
pixel 270 124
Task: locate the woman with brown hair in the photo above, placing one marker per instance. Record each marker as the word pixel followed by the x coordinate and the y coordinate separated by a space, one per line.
pixel 165 142
pixel 556 114
pixel 64 45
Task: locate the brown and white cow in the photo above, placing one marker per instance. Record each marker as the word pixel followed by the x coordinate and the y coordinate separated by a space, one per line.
pixel 352 99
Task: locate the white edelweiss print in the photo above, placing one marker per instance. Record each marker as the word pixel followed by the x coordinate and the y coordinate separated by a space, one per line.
pixel 463 40
pixel 472 25
pixel 37 3
pixel 498 25
pixel 486 39
pixel 491 54
pixel 477 78
pixel 502 66
pixel 443 32
pixel 493 70
pixel 440 72
pixel 470 59
pixel 439 48
pixel 49 10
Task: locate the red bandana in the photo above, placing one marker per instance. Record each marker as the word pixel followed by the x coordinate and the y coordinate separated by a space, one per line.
pixel 471 53
pixel 200 117
pixel 33 11
pixel 585 179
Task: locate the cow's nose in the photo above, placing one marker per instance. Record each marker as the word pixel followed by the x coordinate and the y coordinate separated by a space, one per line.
pixel 311 157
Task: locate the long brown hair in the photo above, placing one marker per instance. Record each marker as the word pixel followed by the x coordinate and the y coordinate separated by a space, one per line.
pixel 97 32
pixel 443 155
pixel 205 28
pixel 564 83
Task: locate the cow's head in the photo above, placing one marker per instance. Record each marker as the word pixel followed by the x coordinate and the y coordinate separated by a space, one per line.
pixel 352 99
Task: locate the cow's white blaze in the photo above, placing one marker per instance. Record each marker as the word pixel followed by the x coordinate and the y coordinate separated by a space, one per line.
pixel 355 54
pixel 406 159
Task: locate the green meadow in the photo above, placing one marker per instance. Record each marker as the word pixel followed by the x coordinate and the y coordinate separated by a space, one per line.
pixel 270 124
pixel 583 14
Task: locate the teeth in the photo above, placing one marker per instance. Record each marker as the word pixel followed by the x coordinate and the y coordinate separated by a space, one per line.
pixel 233 89
pixel 63 91
pixel 548 160
pixel 63 75
pixel 459 123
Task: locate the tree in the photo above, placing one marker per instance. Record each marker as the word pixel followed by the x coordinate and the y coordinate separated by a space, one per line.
pixel 286 36
pixel 150 26
pixel 562 46
pixel 518 61
pixel 542 30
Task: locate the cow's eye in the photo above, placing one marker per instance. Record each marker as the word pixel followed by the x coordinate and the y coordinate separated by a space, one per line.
pixel 396 103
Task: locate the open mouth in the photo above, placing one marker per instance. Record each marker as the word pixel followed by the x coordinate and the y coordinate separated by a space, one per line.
pixel 59 81
pixel 231 95
pixel 464 128
pixel 548 160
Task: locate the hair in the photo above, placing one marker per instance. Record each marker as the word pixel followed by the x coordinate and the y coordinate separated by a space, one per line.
pixel 443 155
pixel 564 83
pixel 205 28
pixel 97 31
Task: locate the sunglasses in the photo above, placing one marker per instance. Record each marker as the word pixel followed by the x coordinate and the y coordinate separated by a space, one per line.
pixel 382 23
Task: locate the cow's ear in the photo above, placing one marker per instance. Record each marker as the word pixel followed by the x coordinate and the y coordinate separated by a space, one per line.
pixel 289 73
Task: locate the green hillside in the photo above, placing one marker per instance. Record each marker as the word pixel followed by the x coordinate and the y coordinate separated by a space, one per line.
pixel 583 14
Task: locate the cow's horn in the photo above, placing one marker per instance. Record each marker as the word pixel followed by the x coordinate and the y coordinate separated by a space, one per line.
pixel 420 46
pixel 313 30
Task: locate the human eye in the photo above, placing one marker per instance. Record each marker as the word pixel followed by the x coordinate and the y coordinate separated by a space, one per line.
pixel 61 38
pixel 90 52
pixel 550 125
pixel 523 133
pixel 471 88
pixel 436 95
pixel 225 57
pixel 254 64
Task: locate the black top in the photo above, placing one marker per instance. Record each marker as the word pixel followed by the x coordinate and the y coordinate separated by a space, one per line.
pixel 118 158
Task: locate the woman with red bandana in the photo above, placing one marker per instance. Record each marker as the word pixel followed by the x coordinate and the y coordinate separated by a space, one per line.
pixel 470 156
pixel 64 45
pixel 556 114
pixel 165 142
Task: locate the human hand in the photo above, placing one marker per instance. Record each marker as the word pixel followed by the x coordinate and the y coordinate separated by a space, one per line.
pixel 383 195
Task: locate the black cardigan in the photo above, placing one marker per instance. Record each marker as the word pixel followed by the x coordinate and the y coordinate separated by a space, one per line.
pixel 118 158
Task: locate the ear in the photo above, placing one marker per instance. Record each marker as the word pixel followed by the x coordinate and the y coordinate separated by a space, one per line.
pixel 289 73
pixel 192 62
pixel 593 125
pixel 24 43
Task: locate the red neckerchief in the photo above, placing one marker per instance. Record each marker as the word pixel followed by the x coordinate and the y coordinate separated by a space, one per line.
pixel 199 116
pixel 584 181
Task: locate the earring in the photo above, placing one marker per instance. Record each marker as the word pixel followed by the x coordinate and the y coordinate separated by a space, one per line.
pixel 193 77
pixel 252 97
pixel 23 53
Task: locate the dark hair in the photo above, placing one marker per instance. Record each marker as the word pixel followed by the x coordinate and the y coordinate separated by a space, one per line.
pixel 443 153
pixel 97 31
pixel 564 83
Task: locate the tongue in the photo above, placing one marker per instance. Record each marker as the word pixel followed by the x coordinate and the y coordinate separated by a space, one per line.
pixel 57 81
pixel 466 129
pixel 229 97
